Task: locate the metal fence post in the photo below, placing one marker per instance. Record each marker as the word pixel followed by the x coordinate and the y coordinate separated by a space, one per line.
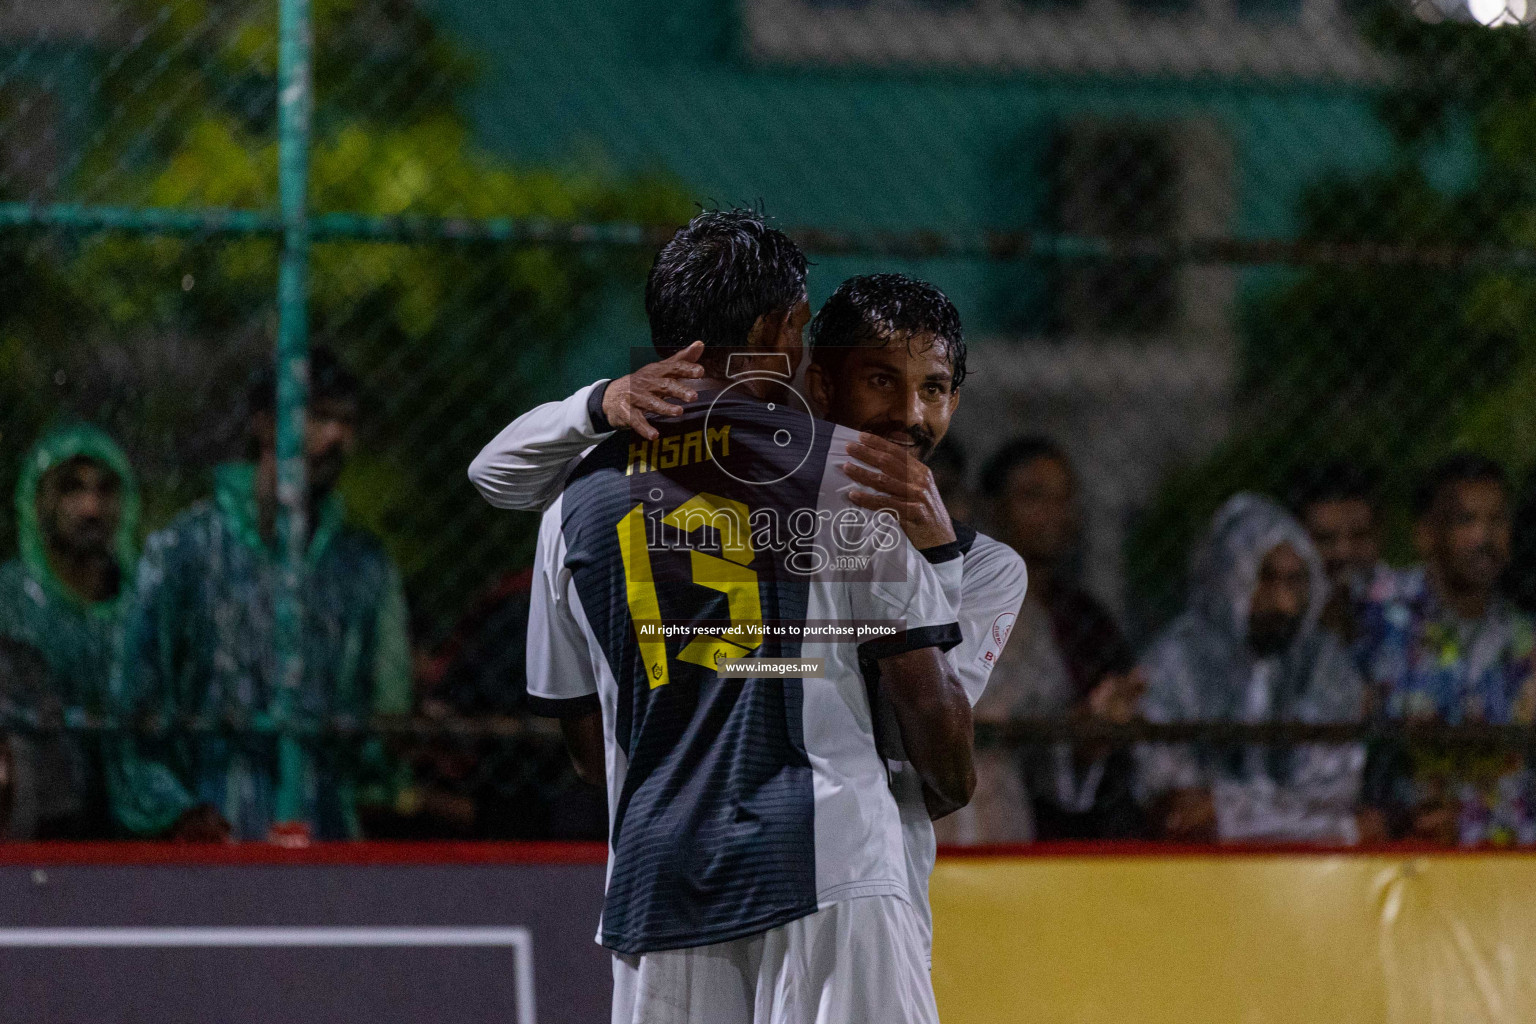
pixel 295 104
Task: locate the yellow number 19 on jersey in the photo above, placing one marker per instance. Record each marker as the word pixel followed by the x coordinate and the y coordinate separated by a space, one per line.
pixel 729 575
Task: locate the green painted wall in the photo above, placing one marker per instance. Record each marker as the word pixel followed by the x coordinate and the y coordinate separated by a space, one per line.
pixel 647 84
pixel 661 84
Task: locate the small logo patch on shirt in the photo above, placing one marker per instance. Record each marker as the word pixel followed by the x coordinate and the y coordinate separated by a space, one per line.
pixel 1001 627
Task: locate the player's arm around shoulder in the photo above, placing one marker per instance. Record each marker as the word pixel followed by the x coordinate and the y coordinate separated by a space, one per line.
pixel 524 465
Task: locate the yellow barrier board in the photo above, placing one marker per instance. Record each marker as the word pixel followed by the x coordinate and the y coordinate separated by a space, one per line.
pixel 1246 939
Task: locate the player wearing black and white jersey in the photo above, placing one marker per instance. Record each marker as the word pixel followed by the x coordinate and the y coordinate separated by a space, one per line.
pixel 887 358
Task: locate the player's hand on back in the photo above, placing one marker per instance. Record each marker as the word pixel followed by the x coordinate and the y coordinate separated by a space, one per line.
pixel 654 390
pixel 893 478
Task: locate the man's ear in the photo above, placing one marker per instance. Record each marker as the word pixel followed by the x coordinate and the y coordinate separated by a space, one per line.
pixel 770 330
pixel 785 337
pixel 764 335
pixel 818 387
pixel 954 401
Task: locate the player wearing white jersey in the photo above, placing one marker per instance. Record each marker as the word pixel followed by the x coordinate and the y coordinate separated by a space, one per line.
pixel 879 385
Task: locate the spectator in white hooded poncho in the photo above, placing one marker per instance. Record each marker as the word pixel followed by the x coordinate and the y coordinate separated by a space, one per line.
pixel 1248 650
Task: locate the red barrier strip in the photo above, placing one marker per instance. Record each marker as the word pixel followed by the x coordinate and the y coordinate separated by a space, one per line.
pixel 383 854
pixel 1133 848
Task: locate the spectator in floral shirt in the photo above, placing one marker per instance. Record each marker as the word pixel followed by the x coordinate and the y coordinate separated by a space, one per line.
pixel 1448 648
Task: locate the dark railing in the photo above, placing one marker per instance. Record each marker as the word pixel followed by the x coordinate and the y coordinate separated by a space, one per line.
pixel 1020 731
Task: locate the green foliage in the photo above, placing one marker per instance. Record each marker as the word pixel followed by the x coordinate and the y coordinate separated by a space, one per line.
pixel 451 339
pixel 1388 366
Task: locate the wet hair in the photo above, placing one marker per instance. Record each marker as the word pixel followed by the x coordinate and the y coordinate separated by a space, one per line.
pixel 716 276
pixel 872 310
pixel 1458 468
pixel 1021 451
pixel 1331 481
pixel 329 380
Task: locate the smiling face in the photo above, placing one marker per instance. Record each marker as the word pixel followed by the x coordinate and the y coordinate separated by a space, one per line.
pixel 1466 535
pixel 904 391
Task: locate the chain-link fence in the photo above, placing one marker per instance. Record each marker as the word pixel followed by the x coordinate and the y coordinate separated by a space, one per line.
pixel 1205 247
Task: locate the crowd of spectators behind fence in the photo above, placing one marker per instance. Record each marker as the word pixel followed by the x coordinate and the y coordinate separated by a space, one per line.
pixel 1291 616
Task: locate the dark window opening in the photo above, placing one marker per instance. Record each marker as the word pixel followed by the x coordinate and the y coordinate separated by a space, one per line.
pixel 1118 183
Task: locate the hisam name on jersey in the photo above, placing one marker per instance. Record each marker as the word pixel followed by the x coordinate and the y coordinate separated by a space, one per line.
pixel 679 450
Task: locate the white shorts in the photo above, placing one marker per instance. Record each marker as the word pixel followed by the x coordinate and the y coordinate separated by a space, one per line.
pixel 860 961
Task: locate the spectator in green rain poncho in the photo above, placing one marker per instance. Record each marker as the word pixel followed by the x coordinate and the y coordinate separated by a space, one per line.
pixel 77 510
pixel 198 638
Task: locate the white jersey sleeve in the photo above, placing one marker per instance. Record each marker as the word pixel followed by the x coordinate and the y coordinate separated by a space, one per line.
pixel 993 584
pixel 907 592
pixel 984 581
pixel 525 465
pixel 560 677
